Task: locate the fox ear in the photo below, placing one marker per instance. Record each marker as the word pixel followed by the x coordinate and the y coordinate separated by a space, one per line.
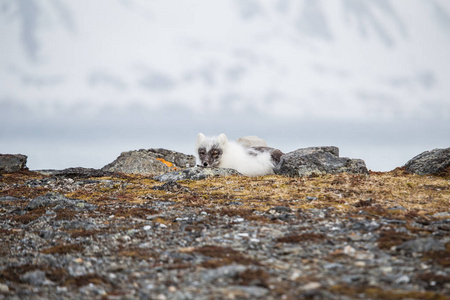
pixel 200 139
pixel 222 139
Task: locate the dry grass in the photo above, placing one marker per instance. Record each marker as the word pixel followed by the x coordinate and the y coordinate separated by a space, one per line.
pixel 375 193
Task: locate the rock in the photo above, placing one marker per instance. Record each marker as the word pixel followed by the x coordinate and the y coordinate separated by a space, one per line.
pixel 280 209
pixel 55 199
pixel 196 173
pixel 444 215
pixel 10 163
pixel 317 161
pixel 421 245
pixel 222 272
pixel 35 278
pixel 151 161
pixel 365 225
pixel 403 279
pixel 9 198
pixel 171 186
pixel 311 286
pixel 434 162
pixel 4 288
pixel 76 172
pixel 250 291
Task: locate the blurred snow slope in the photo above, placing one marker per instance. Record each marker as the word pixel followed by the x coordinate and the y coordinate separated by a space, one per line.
pixel 69 67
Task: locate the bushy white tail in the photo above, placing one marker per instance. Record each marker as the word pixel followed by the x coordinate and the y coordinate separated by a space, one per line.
pixel 235 156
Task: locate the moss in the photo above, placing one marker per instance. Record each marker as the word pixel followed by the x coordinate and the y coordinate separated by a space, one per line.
pixel 83 280
pixel 433 281
pixel 441 257
pixel 222 256
pixel 75 233
pixel 135 212
pixel 29 216
pixel 13 273
pixel 299 238
pixel 251 277
pixel 63 249
pixel 390 238
pixel 377 293
pixel 248 214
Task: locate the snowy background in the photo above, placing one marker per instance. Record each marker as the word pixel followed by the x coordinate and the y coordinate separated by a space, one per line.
pixel 82 81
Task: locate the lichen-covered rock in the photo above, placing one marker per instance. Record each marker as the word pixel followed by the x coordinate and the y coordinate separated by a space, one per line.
pixel 317 161
pixel 434 162
pixel 196 173
pixel 422 245
pixel 151 161
pixel 10 163
pixel 78 172
pixel 55 199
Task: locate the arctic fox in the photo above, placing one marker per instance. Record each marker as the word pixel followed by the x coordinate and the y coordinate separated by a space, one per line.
pixel 250 161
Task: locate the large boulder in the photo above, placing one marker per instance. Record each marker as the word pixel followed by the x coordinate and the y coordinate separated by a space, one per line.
pixel 434 162
pixel 317 161
pixel 196 173
pixel 151 161
pixel 10 163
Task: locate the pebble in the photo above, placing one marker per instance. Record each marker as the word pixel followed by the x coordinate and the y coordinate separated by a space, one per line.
pixel 333 266
pixel 402 279
pixel 252 291
pixel 311 286
pixel 4 288
pixel 360 263
pixel 397 207
pixel 421 245
pixel 36 278
pixel 280 209
pixel 221 272
pixel 442 215
pixel 243 259
pixel 349 250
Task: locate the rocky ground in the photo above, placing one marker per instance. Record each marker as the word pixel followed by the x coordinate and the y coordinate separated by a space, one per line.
pixel 376 236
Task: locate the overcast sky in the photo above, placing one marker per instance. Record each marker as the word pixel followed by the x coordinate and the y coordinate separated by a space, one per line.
pixel 83 81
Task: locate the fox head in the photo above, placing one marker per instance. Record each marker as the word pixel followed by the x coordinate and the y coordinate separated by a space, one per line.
pixel 210 150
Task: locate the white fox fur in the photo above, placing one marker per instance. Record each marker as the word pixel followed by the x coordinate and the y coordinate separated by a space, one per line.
pixel 219 152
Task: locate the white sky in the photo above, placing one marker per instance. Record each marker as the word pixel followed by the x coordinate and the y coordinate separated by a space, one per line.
pixel 295 72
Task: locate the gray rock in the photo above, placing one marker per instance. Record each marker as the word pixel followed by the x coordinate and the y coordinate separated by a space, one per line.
pixel 148 162
pixel 434 162
pixel 317 161
pixel 366 225
pixel 10 163
pixel 35 278
pixel 280 209
pixel 196 173
pixel 250 291
pixel 442 215
pixel 9 198
pixel 75 172
pixel 421 245
pixel 58 201
pixel 223 272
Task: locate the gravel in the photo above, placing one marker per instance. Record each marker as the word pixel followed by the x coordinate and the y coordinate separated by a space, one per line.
pixel 57 247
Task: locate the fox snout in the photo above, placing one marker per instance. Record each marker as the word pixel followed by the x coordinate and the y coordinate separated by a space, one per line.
pixel 205 164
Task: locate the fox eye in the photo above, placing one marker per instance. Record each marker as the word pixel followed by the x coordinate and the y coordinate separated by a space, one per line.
pixel 215 153
pixel 201 152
